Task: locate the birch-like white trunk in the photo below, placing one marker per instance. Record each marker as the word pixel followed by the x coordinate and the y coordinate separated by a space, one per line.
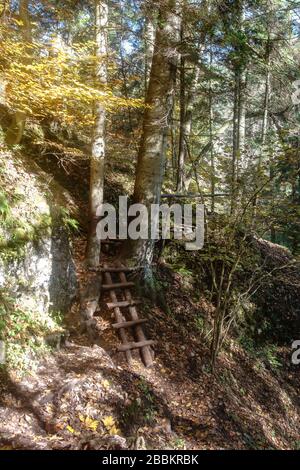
pixel 97 160
pixel 149 48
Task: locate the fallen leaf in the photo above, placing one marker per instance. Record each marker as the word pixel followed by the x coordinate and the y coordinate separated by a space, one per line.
pixel 106 384
pixel 89 422
pixel 71 430
pixel 110 425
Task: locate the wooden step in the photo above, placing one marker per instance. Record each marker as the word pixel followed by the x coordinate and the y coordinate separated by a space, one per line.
pixel 110 242
pixel 124 304
pixel 117 270
pixel 120 270
pixel 118 285
pixel 141 344
pixel 128 324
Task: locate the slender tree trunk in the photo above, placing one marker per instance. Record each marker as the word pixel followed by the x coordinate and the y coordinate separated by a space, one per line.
pixel 15 132
pixel 212 155
pixel 239 112
pixel 98 142
pixel 125 86
pixel 266 97
pixel 264 130
pixel 239 132
pixel 160 99
pixel 182 101
pixel 173 129
pixel 187 101
pixel 149 48
pixel 266 108
pixel 129 125
pixel 235 141
pixel 186 129
pixel 207 148
pixel 264 135
pixel 242 114
pixel 211 138
pixel 190 102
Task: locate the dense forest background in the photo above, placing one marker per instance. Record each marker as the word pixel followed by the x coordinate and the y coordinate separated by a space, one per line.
pixel 174 101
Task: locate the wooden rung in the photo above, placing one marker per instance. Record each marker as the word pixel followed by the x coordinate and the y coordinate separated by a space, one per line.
pixel 117 270
pixel 107 269
pixel 118 285
pixel 110 242
pixel 129 346
pixel 124 303
pixel 128 324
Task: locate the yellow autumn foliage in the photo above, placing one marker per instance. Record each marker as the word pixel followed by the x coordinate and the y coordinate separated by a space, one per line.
pixel 89 423
pixel 43 80
pixel 110 425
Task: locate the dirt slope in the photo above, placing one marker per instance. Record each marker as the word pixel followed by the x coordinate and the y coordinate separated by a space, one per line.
pixel 86 397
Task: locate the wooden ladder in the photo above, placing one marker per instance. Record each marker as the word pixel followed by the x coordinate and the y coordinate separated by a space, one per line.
pixel 122 324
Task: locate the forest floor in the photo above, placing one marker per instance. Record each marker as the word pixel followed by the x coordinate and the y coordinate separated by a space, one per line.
pixel 85 396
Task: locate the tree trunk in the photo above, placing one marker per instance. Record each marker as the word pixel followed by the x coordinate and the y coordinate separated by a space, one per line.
pixel 211 138
pixel 160 98
pixel 266 98
pixel 15 132
pixel 212 154
pixel 239 112
pixel 190 101
pixel 182 101
pixel 98 142
pixel 265 123
pixel 239 132
pixel 242 116
pixel 149 49
pixel 235 141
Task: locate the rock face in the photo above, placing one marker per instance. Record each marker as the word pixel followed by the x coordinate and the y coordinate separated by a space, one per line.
pixel 63 282
pixel 43 279
pixel 36 267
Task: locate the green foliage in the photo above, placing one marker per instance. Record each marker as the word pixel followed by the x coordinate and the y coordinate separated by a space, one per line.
pixel 58 317
pixel 19 233
pixel 254 443
pixel 266 353
pixel 142 410
pixel 297 445
pixel 183 271
pixel 4 206
pixel 69 222
pixel 23 330
pixel 199 323
pixel 178 444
